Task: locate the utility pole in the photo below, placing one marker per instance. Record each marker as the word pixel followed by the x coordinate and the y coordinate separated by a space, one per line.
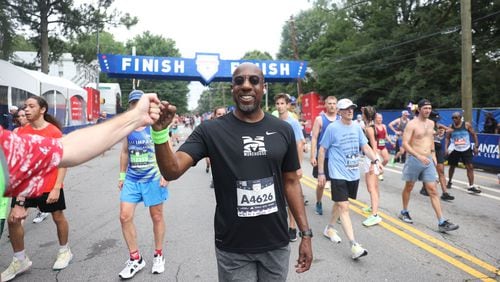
pixel 466 87
pixel 295 51
pixel 97 39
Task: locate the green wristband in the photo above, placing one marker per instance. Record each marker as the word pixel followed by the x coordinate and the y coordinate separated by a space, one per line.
pixel 160 137
pixel 122 176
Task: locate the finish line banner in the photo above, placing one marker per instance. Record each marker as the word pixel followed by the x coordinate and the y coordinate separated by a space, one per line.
pixel 205 68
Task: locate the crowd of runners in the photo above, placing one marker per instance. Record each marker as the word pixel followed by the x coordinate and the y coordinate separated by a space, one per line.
pixel 255 173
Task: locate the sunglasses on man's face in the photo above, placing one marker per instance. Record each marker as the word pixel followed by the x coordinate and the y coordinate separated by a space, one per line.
pixel 240 80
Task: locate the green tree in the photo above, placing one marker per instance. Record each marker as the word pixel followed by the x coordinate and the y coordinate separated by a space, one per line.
pixel 83 47
pixel 389 52
pixel 148 44
pixel 64 20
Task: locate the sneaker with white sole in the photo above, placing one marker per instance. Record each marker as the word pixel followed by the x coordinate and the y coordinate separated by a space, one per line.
pixel 358 251
pixel 332 234
pixel 64 257
pixel 40 216
pixel 158 264
pixel 131 268
pixel 405 216
pixel 447 226
pixel 473 190
pixel 15 268
pixel 372 220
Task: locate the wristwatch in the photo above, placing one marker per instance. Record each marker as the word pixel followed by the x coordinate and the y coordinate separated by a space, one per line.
pixel 19 203
pixel 307 233
pixel 375 161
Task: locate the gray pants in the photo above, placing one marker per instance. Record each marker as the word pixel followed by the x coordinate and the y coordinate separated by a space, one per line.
pixel 266 266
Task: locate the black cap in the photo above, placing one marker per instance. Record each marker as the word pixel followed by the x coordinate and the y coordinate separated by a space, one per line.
pixel 424 102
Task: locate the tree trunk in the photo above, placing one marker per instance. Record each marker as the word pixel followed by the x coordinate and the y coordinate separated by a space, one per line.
pixel 44 36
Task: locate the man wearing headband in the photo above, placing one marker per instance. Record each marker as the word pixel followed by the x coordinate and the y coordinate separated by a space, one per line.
pixel 418 141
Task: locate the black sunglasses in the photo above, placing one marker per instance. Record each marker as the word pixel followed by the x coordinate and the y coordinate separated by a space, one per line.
pixel 240 80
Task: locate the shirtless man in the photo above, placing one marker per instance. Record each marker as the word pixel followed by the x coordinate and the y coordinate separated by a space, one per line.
pixel 418 141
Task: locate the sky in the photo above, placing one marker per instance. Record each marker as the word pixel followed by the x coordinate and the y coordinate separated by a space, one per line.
pixel 227 27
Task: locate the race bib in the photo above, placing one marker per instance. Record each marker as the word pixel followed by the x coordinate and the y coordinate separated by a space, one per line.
pixel 460 141
pixel 139 159
pixel 352 162
pixel 256 197
pixel 381 142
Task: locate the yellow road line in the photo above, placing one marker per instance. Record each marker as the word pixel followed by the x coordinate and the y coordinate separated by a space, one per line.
pixel 312 184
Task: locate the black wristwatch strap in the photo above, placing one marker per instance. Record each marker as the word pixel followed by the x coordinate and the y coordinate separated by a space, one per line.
pixel 19 203
pixel 306 233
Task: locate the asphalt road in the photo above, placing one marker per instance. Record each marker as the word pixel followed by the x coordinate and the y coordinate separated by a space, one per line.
pixel 396 251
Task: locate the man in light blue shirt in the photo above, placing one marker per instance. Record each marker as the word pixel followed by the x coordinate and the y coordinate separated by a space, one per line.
pixel 282 103
pixel 343 140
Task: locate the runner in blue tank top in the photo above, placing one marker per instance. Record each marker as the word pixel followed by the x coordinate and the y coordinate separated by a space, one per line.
pixel 140 181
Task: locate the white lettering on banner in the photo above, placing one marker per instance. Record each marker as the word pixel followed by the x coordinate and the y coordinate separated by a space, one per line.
pixel 489 151
pixel 152 65
pixel 136 65
pixel 178 66
pixel 126 62
pixel 282 69
pixel 165 66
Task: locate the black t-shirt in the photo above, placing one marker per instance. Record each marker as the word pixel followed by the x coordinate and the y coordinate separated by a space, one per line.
pixel 247 162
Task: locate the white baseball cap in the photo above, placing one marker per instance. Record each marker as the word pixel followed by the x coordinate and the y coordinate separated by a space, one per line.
pixel 345 103
pixel 14 108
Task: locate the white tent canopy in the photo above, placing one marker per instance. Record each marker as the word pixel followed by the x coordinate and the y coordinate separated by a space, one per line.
pixel 40 84
pixel 14 76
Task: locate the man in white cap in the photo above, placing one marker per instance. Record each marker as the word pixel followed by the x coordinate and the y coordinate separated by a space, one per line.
pixel 343 140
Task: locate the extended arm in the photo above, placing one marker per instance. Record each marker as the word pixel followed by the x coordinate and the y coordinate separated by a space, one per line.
pixel 84 144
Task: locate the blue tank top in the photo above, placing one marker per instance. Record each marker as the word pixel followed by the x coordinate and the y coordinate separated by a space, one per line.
pixel 142 165
pixel 460 138
pixel 324 124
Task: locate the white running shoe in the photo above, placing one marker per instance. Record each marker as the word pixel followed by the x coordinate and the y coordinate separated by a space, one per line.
pixel 63 259
pixel 40 216
pixel 131 268
pixel 332 234
pixel 16 267
pixel 358 251
pixel 158 264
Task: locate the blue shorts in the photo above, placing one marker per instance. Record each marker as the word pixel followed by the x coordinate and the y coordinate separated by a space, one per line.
pixel 151 193
pixel 414 170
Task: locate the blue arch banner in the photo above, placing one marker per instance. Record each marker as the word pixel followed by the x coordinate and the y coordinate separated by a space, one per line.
pixel 205 68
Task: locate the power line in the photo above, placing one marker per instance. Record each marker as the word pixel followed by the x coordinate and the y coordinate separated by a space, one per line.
pixel 443 31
